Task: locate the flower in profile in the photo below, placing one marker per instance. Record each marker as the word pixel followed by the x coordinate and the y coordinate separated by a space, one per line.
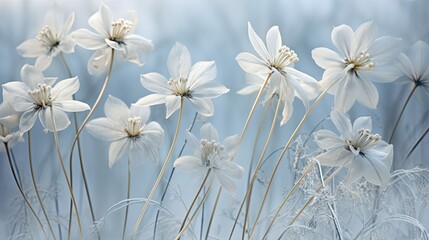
pixel 36 96
pixel 278 59
pixel 362 59
pixel 9 120
pixel 209 153
pixel 192 83
pixel 365 154
pixel 415 67
pixel 51 40
pixel 128 129
pixel 110 34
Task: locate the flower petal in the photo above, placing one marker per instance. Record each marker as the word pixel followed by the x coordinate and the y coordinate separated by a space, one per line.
pixel 155 82
pixel 203 106
pixel 99 61
pixel 385 50
pixel 274 41
pixel 66 27
pixel 15 93
pixel 139 111
pixel 346 93
pixel 88 40
pixel 31 76
pixel 201 73
pixel 362 123
pixel 406 67
pixel 102 20
pixel 326 139
pixel 117 110
pixel 118 150
pixel 27 120
pixel 343 124
pixel 66 88
pixel 326 58
pixel 43 62
pixel 343 38
pixel 335 157
pixel 172 103
pixel 209 91
pixel 32 48
pixel 208 132
pixel 105 129
pixel 251 64
pixel 380 74
pixel 365 36
pixel 419 56
pixel 71 106
pixel 151 99
pixel 367 94
pixel 60 117
pixel 179 61
pixel 189 163
pixel 226 182
pixel 257 44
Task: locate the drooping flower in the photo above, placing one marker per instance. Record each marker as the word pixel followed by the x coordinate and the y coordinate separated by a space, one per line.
pixel 192 83
pixel 209 153
pixel 415 68
pixel 9 120
pixel 128 129
pixel 51 40
pixel 278 59
pixel 365 154
pixel 36 95
pixel 111 34
pixel 362 59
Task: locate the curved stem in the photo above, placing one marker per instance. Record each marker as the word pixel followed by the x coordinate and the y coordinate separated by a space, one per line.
pixel 292 137
pixel 196 211
pixel 57 145
pixel 213 212
pixel 128 197
pixel 258 166
pixel 402 112
pixel 6 146
pixel 33 178
pixel 195 198
pixel 152 192
pixel 417 143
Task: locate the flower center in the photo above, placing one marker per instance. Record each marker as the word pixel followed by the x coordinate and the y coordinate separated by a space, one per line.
pixel 120 29
pixel 284 57
pixel 362 141
pixel 134 127
pixel 179 87
pixel 41 96
pixel 48 38
pixel 363 61
pixel 209 150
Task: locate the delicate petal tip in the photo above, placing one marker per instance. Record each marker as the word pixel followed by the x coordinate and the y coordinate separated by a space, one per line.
pixel 179 61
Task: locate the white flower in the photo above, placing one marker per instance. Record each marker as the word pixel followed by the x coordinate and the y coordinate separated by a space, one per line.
pixel 192 83
pixel 51 40
pixel 127 128
pixel 362 59
pixel 416 68
pixel 35 95
pixel 357 148
pixel 117 35
pixel 9 120
pixel 209 153
pixel 278 59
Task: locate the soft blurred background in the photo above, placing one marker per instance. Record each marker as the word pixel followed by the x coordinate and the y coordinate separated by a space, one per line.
pixel 212 30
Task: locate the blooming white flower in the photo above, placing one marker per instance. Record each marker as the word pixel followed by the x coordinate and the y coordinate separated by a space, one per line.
pixel 209 153
pixel 362 60
pixel 128 130
pixel 192 83
pixel 357 148
pixel 416 68
pixel 51 40
pixel 9 120
pixel 278 59
pixel 35 95
pixel 117 35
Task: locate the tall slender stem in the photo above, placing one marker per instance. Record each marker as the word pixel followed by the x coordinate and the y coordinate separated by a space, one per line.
pixel 258 166
pixel 57 145
pixel 213 212
pixel 417 143
pixel 402 112
pixel 292 137
pixel 195 198
pixel 152 192
pixel 33 178
pixel 128 197
pixel 6 146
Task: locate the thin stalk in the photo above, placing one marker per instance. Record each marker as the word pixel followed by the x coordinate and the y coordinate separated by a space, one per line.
pixel 202 216
pixel 213 212
pixel 196 211
pixel 402 112
pixel 33 178
pixel 327 180
pixel 6 146
pixel 292 137
pixel 171 176
pixel 254 105
pixel 128 197
pixel 255 173
pixel 304 174
pixel 57 145
pixel 417 143
pixel 195 198
pixel 152 192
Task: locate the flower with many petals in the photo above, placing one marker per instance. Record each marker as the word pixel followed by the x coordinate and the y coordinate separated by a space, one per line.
pixel 365 154
pixel 209 153
pixel 36 96
pixel 278 59
pixel 131 135
pixel 9 120
pixel 111 34
pixel 362 59
pixel 192 83
pixel 51 40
